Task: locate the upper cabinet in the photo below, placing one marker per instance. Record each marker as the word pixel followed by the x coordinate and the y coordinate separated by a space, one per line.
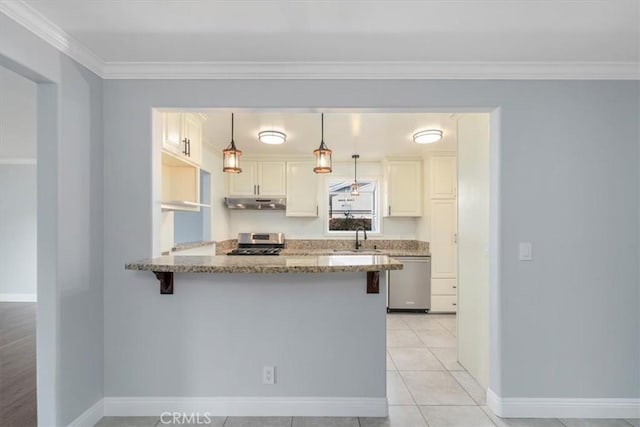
pixel 302 189
pixel 180 184
pixel 403 188
pixel 259 178
pixel 443 177
pixel 182 136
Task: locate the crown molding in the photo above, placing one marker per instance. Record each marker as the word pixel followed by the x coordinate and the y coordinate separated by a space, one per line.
pixel 374 70
pixel 39 25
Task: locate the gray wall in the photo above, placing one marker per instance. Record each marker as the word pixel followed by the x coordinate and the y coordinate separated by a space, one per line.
pixel 18 219
pixel 70 225
pixel 569 183
pixel 18 228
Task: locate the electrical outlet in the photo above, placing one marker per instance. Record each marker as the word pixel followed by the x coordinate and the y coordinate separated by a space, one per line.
pixel 269 375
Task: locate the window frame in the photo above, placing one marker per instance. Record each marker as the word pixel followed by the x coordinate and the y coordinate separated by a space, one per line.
pixel 325 205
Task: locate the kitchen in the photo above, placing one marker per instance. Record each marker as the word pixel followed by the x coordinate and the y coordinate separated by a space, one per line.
pixel 397 202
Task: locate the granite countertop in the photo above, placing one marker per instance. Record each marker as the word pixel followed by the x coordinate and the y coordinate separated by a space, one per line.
pixel 350 252
pixel 267 264
pixel 191 245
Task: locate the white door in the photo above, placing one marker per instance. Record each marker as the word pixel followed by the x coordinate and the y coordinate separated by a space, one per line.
pixel 172 133
pixel 443 239
pixel 404 188
pixel 443 177
pixel 473 243
pixel 302 189
pixel 272 179
pixel 192 127
pixel 244 183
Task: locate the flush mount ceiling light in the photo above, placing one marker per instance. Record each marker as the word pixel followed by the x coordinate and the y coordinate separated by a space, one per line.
pixel 322 153
pixel 428 136
pixel 272 137
pixel 231 155
pixel 355 187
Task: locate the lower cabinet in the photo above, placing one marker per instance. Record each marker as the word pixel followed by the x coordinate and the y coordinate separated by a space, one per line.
pixel 444 295
pixel 443 304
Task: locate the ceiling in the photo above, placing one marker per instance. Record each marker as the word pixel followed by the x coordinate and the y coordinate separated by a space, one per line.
pixel 347 30
pixel 448 36
pixel 372 135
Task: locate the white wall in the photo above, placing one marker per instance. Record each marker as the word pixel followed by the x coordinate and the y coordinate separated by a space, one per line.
pixel 314 228
pixel 18 216
pixel 473 245
pixel 70 340
pixel 212 163
pixel 559 317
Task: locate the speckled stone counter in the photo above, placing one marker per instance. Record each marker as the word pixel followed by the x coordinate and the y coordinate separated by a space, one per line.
pixel 350 252
pixel 267 264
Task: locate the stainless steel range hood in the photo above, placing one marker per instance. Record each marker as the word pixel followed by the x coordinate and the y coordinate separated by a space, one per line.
pixel 256 203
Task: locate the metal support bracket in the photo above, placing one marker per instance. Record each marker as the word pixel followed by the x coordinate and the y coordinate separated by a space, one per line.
pixel 166 282
pixel 373 282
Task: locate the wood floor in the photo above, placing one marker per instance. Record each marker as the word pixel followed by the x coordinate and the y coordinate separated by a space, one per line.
pixel 18 364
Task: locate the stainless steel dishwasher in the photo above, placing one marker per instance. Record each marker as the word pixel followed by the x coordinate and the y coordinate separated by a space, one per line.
pixel 410 288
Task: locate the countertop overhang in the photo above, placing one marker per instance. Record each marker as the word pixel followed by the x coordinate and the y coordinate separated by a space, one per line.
pixel 164 267
pixel 267 264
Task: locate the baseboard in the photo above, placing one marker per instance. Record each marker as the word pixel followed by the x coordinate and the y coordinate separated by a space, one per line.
pixel 511 407
pixel 91 416
pixel 18 297
pixel 248 406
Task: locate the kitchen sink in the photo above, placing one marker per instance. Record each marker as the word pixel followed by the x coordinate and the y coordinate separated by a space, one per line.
pixel 356 251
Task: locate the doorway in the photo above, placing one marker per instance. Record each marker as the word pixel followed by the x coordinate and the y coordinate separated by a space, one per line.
pixel 18 249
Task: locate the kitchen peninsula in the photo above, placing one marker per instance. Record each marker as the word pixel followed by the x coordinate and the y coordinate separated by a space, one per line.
pixel 309 318
pixel 165 266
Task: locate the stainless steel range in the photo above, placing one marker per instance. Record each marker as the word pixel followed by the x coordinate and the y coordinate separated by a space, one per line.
pixel 259 244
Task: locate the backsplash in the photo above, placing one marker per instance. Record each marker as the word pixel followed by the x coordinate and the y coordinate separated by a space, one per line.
pixel 349 244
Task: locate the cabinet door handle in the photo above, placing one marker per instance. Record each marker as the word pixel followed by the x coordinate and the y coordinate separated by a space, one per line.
pixel 453 303
pixel 317 211
pixel 389 210
pixel 254 190
pixel 185 146
pixel 188 147
pixel 258 188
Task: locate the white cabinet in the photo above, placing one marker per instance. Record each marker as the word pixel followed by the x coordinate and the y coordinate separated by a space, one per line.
pixel 444 179
pixel 180 188
pixel 182 136
pixel 272 178
pixel 192 128
pixel 244 183
pixel 259 178
pixel 302 189
pixel 403 188
pixel 443 214
pixel 443 239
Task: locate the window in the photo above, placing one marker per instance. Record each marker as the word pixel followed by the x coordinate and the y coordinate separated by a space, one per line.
pixel 347 212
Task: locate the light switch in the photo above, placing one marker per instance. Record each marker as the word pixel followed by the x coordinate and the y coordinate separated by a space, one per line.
pixel 526 251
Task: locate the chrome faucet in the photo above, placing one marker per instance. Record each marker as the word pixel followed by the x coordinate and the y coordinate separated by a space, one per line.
pixel 358 243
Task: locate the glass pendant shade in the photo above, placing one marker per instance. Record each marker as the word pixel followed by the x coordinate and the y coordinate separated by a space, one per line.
pixel 355 187
pixel 231 155
pixel 322 154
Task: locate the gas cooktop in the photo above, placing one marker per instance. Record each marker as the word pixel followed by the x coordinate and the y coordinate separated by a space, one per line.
pixel 259 244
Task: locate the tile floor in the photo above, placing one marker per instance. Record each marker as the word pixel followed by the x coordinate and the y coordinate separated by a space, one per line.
pixel 426 387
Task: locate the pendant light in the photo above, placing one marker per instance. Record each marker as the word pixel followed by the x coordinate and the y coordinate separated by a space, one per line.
pixel 322 153
pixel 355 187
pixel 231 155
